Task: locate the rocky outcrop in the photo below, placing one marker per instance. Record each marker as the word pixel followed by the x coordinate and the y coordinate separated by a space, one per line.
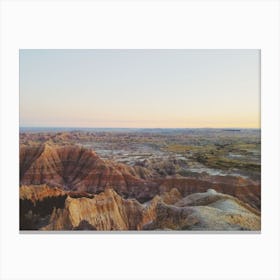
pixel 159 168
pixel 211 197
pixel 109 211
pixel 249 193
pixel 37 203
pixel 37 193
pixel 205 211
pixel 74 168
pixel 106 211
pixel 171 197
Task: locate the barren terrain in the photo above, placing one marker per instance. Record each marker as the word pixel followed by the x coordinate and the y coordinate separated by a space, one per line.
pixel 140 179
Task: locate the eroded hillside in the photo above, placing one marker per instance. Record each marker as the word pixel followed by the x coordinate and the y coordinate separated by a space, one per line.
pixel 68 186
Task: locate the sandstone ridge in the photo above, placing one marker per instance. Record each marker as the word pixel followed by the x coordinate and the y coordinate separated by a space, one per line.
pixel 109 211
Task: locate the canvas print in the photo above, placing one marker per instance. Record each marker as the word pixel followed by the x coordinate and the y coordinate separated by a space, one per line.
pixel 159 140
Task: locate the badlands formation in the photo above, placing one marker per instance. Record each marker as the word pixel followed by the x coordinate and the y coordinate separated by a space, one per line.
pixel 70 187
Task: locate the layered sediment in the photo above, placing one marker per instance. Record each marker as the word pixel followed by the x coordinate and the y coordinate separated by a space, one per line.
pixel 72 188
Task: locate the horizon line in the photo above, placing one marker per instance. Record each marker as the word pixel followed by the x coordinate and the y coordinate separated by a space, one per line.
pixel 109 127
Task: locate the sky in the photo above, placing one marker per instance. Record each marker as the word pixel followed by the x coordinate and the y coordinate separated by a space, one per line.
pixel 140 88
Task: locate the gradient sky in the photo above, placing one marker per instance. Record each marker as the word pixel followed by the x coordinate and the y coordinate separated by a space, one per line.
pixel 140 88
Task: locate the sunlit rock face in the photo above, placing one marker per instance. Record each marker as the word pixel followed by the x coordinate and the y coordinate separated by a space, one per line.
pixel 106 211
pixel 39 192
pixel 205 211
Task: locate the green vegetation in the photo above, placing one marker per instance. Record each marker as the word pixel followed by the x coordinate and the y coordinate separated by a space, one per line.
pixel 237 155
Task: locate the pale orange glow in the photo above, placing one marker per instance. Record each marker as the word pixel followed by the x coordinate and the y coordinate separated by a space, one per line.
pixel 140 88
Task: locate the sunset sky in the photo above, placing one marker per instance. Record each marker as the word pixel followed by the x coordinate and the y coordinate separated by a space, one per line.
pixel 140 88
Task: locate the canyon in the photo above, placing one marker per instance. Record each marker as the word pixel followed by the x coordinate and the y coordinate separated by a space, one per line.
pixel 66 185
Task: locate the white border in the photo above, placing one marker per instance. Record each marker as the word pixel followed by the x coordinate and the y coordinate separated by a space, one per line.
pixel 156 24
